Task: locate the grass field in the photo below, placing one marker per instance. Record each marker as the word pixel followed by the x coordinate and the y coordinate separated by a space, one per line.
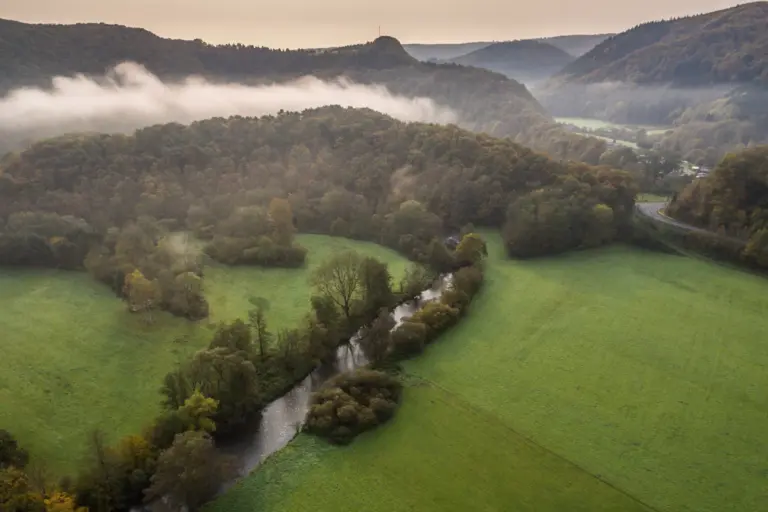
pixel 645 371
pixel 73 360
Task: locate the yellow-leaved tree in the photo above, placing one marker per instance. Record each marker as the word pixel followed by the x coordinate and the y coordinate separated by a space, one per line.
pixel 143 295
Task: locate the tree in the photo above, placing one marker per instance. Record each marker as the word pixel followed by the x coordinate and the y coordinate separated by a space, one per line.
pixel 375 338
pixel 258 323
pixel 229 378
pixel 417 278
pixel 471 249
pixel 11 455
pixel 376 285
pixel 281 219
pixel 62 502
pixel 235 337
pixel 187 296
pixel 340 280
pixel 16 494
pixel 190 472
pixel 197 411
pixel 439 257
pixel 143 294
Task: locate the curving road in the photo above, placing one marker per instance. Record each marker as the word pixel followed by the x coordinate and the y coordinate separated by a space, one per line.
pixel 655 211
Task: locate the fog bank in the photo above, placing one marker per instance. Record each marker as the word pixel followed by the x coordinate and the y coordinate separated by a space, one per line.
pixel 130 97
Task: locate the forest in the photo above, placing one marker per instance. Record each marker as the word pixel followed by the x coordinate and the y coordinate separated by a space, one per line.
pixel 725 46
pixel 242 186
pixel 703 77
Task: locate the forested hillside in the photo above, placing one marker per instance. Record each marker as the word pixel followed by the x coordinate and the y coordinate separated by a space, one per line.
pixel 524 61
pixel 733 201
pixel 484 101
pixel 705 77
pixel 442 51
pixel 576 45
pixel 728 46
pixel 243 185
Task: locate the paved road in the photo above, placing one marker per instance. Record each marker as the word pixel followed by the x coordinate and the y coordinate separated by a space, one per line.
pixel 654 211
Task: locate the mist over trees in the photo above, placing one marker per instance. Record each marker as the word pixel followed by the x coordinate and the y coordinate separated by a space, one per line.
pixel 483 101
pixel 242 186
pixel 704 77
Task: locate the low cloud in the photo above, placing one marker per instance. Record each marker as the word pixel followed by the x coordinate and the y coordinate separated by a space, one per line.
pixel 130 97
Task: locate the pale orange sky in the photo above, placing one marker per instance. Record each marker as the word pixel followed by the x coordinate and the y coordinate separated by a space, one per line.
pixel 317 23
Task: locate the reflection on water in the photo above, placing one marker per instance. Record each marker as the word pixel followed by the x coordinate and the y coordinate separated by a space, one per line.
pixel 282 419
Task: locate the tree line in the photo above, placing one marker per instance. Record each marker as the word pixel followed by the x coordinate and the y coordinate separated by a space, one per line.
pixel 242 186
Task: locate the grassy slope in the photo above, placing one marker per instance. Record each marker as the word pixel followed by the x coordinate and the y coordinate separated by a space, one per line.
pixel 647 370
pixel 441 454
pixel 73 360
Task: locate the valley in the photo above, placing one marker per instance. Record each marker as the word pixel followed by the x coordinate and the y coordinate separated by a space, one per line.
pixel 613 379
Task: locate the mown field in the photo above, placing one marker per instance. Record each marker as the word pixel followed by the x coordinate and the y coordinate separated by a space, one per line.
pixel 73 360
pixel 638 378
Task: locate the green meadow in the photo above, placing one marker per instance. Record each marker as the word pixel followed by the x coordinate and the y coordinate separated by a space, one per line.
pixel 612 379
pixel 73 360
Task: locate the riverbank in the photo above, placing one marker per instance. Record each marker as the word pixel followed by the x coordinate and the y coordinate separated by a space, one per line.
pixel 76 361
pixel 592 381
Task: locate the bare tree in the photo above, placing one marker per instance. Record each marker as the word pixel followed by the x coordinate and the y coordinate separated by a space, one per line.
pixel 340 279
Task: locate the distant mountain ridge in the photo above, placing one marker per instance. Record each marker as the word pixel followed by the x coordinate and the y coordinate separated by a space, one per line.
pixel 526 61
pixel 30 55
pixel 442 51
pixel 575 45
pixel 726 46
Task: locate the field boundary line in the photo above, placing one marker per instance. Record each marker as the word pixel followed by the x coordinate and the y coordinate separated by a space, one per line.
pixel 528 440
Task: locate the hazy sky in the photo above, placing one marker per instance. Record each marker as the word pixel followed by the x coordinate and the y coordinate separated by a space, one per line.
pixel 316 23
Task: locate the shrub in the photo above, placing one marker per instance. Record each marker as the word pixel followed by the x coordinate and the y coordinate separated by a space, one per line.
pixel 437 317
pixel 352 403
pixel 408 339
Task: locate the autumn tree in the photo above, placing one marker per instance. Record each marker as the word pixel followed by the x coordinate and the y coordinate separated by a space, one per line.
pixel 197 411
pixel 471 249
pixel 190 472
pixel 143 295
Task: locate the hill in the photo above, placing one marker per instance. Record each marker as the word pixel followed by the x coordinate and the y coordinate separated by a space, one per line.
pixel 338 166
pixel 30 55
pixel 727 46
pixel 576 45
pixel 704 76
pixel 442 51
pixel 525 61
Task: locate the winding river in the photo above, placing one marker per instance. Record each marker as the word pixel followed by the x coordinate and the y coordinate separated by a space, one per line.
pixel 282 419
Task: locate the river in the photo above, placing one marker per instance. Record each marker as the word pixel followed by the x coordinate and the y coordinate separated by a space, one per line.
pixel 282 419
